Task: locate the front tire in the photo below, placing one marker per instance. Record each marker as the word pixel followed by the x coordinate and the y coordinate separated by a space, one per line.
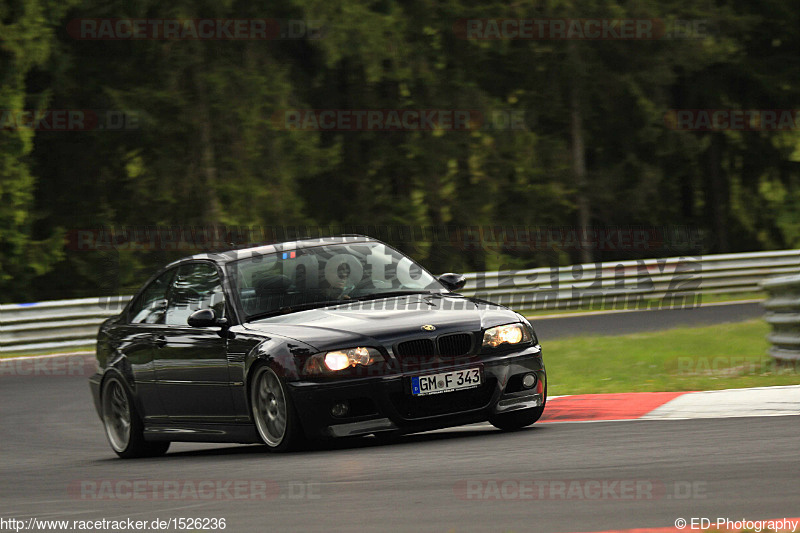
pixel 124 428
pixel 519 419
pixel 273 412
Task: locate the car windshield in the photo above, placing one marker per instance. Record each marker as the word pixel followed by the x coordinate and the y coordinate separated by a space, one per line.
pixel 325 275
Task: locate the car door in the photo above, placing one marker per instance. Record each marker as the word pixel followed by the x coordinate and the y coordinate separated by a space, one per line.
pixel 144 322
pixel 191 362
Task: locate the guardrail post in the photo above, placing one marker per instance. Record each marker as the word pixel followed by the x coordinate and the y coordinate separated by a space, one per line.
pixel 783 314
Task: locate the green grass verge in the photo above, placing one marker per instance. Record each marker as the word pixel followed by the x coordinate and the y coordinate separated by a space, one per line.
pixel 724 356
pixel 70 350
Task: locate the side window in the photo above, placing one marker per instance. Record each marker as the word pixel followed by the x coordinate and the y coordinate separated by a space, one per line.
pixel 151 305
pixel 196 286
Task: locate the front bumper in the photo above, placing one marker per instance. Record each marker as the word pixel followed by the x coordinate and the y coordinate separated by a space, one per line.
pixel 385 403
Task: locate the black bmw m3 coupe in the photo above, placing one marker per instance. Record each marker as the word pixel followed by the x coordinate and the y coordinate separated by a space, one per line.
pixel 318 338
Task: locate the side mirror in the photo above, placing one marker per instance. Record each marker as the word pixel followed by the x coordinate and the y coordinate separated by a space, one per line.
pixel 206 318
pixel 452 282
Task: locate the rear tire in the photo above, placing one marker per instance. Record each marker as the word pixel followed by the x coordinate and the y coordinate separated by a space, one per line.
pixel 124 428
pixel 273 411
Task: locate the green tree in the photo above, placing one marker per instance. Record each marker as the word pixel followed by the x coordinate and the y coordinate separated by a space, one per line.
pixel 27 38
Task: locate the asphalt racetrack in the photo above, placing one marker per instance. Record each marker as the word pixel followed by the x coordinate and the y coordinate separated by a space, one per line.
pixel 56 464
pixel 622 323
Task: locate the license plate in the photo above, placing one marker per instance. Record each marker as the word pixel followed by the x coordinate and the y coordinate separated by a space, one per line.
pixel 445 382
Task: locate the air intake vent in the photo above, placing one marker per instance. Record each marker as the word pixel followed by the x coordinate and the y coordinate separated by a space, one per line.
pixel 416 348
pixel 455 345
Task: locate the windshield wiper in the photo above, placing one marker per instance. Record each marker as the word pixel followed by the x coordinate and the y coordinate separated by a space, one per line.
pixel 326 303
pixel 292 308
pixel 387 294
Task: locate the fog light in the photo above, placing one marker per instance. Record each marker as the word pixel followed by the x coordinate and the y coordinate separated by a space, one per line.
pixel 340 409
pixel 529 380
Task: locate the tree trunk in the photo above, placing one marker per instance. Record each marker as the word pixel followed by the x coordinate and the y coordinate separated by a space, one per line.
pixel 208 156
pixel 718 193
pixel 578 153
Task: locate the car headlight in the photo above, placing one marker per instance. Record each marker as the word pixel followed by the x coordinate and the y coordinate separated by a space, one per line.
pixel 508 334
pixel 337 360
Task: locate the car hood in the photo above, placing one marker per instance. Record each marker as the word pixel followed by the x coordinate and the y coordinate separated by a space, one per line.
pixel 385 321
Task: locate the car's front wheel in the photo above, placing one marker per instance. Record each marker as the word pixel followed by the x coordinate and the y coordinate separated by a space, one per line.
pixel 123 426
pixel 519 419
pixel 273 411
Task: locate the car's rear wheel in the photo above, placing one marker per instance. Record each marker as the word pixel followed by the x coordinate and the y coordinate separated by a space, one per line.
pixel 123 426
pixel 519 419
pixel 273 411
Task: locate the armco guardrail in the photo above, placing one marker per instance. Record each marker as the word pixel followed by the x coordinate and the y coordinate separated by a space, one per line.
pixel 783 314
pixel 55 325
pixel 670 282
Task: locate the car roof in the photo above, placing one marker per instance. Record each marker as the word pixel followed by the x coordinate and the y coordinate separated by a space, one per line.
pixel 227 256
